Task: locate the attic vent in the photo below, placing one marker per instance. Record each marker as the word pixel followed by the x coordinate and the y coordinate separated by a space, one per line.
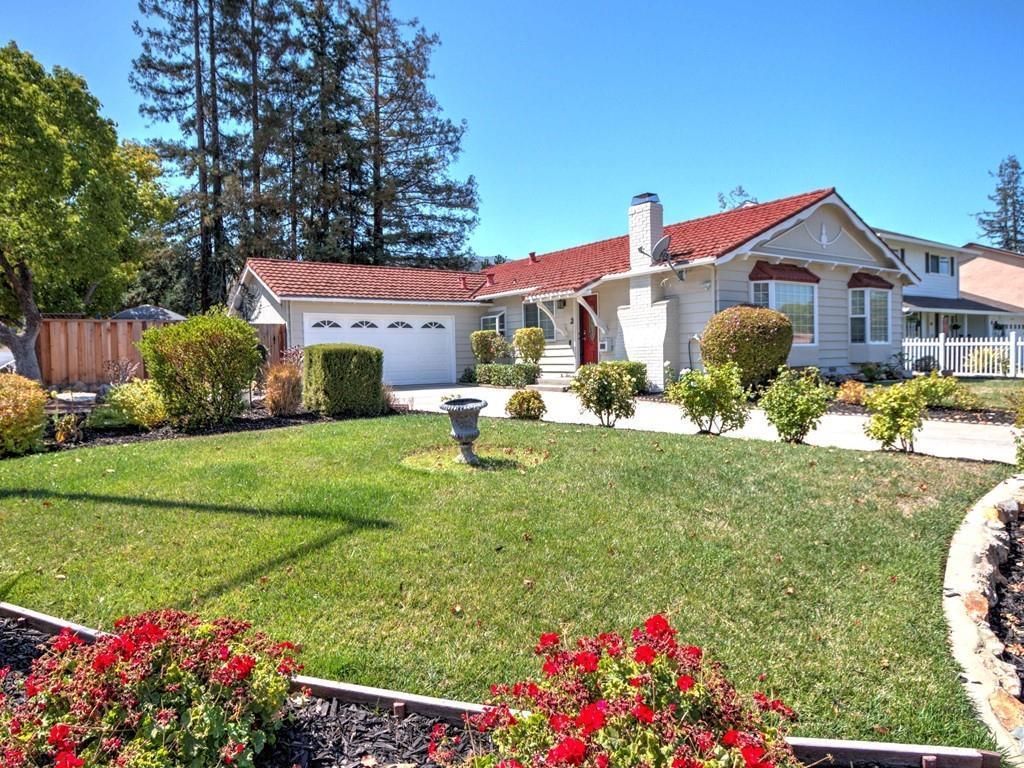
pixel 533 257
pixel 490 278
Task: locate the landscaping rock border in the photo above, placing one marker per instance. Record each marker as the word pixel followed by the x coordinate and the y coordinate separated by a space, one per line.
pixel 979 547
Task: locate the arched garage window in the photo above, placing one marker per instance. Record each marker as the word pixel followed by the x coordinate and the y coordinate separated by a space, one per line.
pixel 326 324
pixel 363 324
pixel 399 324
pixel 433 325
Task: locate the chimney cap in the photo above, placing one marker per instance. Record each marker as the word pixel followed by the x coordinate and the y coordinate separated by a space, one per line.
pixel 644 197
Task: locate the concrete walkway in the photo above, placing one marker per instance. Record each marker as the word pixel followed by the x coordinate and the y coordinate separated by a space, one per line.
pixel 985 442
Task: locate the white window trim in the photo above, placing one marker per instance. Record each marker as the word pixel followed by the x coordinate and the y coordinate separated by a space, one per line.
pixel 772 305
pixel 500 325
pixel 554 330
pixel 867 316
pixel 940 259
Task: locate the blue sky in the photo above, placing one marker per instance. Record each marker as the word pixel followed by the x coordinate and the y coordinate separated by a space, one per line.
pixel 573 107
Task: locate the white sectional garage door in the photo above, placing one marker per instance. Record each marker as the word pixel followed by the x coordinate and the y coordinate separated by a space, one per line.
pixel 418 349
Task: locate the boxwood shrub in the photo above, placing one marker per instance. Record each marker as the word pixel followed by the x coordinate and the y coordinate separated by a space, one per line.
pixel 757 339
pixel 516 375
pixel 343 380
pixel 201 366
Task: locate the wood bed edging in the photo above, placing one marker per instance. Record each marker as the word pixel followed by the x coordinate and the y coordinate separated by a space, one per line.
pixel 808 750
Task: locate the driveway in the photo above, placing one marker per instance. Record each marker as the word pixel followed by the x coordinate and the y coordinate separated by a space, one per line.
pixel 986 442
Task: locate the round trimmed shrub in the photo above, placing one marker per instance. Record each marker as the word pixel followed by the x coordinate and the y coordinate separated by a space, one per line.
pixel 489 346
pixel 201 367
pixel 529 344
pixel 22 418
pixel 757 339
pixel 343 380
pixel 526 404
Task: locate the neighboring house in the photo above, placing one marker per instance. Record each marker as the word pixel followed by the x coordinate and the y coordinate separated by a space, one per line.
pixel 938 304
pixel 995 277
pixel 810 256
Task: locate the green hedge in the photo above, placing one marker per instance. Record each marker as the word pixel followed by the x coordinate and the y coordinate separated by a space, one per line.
pixel 343 380
pixel 516 375
pixel 636 372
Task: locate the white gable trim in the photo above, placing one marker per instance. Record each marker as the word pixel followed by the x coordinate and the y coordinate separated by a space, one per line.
pixel 233 295
pixel 797 218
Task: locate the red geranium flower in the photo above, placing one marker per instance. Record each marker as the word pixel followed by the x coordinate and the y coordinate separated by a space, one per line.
pixel 643 713
pixel 586 661
pixel 644 654
pixel 559 722
pixel 551 666
pixel 103 661
pixel 65 640
pixel 658 626
pixel 591 718
pixel 569 750
pixel 59 737
pixel 684 683
pixel 691 654
pixel 752 755
pixel 547 640
pixel 67 759
pixel 730 738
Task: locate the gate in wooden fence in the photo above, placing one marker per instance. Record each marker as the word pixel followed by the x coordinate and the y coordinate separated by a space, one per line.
pixel 995 357
pixel 273 337
pixel 77 350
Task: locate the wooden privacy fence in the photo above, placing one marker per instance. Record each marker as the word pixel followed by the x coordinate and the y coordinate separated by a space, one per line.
pixel 72 351
pixel 996 357
pixel 77 351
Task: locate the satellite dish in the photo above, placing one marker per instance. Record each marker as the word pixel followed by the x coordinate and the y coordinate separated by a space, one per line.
pixel 660 251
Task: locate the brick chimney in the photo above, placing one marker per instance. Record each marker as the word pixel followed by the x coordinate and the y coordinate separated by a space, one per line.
pixel 646 227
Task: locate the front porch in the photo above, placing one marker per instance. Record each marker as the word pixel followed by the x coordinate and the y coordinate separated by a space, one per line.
pixel 928 317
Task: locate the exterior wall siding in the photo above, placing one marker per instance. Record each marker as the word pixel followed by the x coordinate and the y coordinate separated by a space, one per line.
pixel 944 286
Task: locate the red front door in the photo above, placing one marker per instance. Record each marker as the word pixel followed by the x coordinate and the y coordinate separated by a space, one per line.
pixel 588 332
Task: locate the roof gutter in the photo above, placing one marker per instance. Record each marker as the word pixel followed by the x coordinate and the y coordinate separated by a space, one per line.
pixel 384 300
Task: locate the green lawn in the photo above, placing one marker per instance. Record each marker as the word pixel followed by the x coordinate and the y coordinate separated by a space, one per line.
pixel 993 392
pixel 820 568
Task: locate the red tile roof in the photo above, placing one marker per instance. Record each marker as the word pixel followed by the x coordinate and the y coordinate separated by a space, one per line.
pixel 789 272
pixel 705 238
pixel 328 280
pixel 561 271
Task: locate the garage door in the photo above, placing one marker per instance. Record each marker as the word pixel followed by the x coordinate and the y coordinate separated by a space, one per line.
pixel 417 349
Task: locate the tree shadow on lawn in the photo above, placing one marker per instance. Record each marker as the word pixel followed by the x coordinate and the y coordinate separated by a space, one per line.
pixel 347 523
pixel 328 515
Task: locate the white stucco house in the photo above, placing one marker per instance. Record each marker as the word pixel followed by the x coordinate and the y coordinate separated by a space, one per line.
pixel 810 256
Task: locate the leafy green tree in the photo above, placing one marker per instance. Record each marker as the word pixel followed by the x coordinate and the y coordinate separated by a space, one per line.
pixel 74 206
pixel 1004 225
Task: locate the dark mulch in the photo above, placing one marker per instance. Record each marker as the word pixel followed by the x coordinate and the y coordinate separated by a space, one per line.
pixel 937 414
pixel 250 420
pixel 1006 617
pixel 19 646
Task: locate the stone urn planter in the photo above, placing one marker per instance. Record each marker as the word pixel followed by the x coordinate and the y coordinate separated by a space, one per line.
pixel 464 413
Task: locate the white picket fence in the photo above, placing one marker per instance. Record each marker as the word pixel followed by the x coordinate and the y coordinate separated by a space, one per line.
pixel 996 357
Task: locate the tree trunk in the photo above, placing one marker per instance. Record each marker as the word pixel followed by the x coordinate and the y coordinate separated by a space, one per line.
pixel 23 347
pixel 376 145
pixel 204 189
pixel 23 344
pixel 219 255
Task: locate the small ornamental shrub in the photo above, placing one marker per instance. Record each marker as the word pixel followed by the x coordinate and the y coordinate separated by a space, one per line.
pixel 526 404
pixel 516 375
pixel 757 339
pixel 22 417
pixel 283 389
pixel 714 399
pixel 67 428
pixel 489 346
pixel 140 402
pixel 795 402
pixel 293 356
pixel 343 380
pixel 637 373
pixel 168 689
pixel 468 376
pixel 201 366
pixel 642 700
pixel 945 392
pixel 897 412
pixel 605 390
pixel 529 344
pixel 852 392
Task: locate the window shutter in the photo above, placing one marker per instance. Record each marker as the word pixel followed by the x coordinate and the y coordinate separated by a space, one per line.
pixel 927 262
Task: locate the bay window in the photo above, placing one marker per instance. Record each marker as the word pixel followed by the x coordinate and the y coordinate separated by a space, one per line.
pixel 797 301
pixel 534 317
pixel 870 316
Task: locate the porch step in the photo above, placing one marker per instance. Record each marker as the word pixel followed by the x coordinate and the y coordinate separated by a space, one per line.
pixel 551 384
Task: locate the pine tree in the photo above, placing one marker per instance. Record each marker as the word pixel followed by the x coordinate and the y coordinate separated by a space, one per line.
pixel 417 212
pixel 1004 226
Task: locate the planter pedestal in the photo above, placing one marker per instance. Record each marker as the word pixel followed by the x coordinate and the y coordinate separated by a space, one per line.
pixel 464 413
